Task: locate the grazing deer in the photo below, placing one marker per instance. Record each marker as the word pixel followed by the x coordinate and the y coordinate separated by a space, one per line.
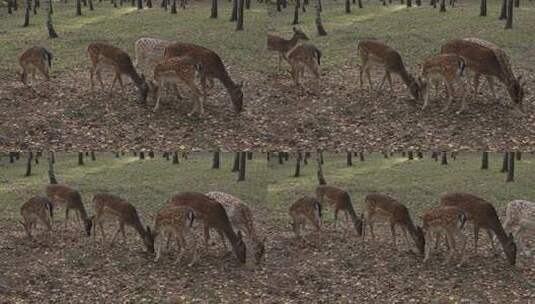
pixel 306 55
pixel 175 71
pixel 375 52
pixel 104 55
pixel 483 216
pixel 489 60
pixel 380 206
pixel 450 220
pixel 36 209
pixel 211 67
pixel 111 207
pixel 241 219
pixel 149 51
pixel 520 219
pixel 70 199
pixel 283 46
pixel 213 216
pixel 175 221
pixel 447 67
pixel 35 58
pixel 305 209
pixel 341 201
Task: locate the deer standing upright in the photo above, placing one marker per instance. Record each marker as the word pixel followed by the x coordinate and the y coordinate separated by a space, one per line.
pixel 284 46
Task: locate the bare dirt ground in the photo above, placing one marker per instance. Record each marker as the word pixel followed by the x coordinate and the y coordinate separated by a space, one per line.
pixel 336 115
pixel 73 269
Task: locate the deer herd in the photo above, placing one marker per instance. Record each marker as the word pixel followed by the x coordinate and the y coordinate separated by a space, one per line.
pixel 174 63
pixel 232 218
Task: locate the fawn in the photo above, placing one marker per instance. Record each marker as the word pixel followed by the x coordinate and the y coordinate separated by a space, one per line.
pixel 36 209
pixel 71 199
pixel 341 201
pixel 283 46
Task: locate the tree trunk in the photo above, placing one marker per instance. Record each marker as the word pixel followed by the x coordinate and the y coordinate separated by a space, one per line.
pixel 93 157
pixel 360 4
pixel 9 7
pixel 29 164
pixel 349 159
pixel 117 155
pixel 141 155
pixel 298 165
pixel 442 6
pixel 35 6
pixel 164 5
pixel 419 154
pixel 91 8
pixel 509 22
pixel 503 11
pixel 510 163
pixel 321 157
pixel 78 7
pixel 175 158
pixel 151 153
pixel 12 157
pixel 149 3
pixel 411 155
pixel 483 8
pixel 305 159
pixel 51 174
pixel 213 13
pixel 216 160
pixel 319 25
pixel 281 158
pixel 249 155
pixel 517 3
pixel 239 24
pixel 409 3
pixel 485 160
pixel 361 156
pixel 27 13
pixel 504 163
pixel 51 32
pixel 518 155
pixel 173 7
pixel 286 156
pixel 321 178
pixel 243 159
pixel 444 158
pixel 80 158
pixel 236 165
pixel 234 15
pixel 348 6
pixel 139 4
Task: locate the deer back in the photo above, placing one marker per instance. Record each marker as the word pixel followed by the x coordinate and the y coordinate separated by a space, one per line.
pixel 336 196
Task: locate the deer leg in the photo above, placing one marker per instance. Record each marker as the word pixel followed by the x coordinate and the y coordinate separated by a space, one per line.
pixel 335 217
pixel 476 237
pixel 462 239
pixel 463 92
pixel 99 77
pixel 123 233
pixel 181 241
pixel 393 231
pixel 406 234
pixel 361 73
pixel 490 80
pixel 206 235
pixel 371 229
pixel 66 218
pixel 195 253
pixel 476 84
pixel 383 81
pixel 491 238
pixel 160 86
pixel 389 78
pixel 158 248
pixel 369 78
pixel 426 97
pixel 115 235
pixel 428 235
pixel 223 240
pixel 451 252
pixel 102 232
pixel 449 88
pixel 91 75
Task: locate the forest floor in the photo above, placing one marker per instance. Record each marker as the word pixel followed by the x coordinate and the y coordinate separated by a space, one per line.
pixel 341 268
pixel 334 114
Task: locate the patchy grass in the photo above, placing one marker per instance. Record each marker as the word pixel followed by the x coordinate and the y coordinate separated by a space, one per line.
pixel 124 25
pixel 416 32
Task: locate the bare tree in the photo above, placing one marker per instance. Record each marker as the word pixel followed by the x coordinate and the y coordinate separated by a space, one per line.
pixel 28 5
pixel 213 11
pixel 78 7
pixel 51 174
pixel 348 6
pixel 442 6
pixel 175 158
pixel 504 163
pixel 509 21
pixel 234 15
pixel 485 160
pixel 296 12
pixel 444 161
pixel 239 24
pixel 80 158
pixel 483 8
pixel 243 160
pixel 216 161
pixel 321 178
pixel 29 164
pixel 298 164
pixel 236 165
pixel 319 25
pixel 51 32
pixel 349 159
pixel 510 162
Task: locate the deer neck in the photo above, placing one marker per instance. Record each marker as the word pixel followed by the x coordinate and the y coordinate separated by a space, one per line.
pixel 131 72
pixel 412 229
pixel 500 234
pixel 83 214
pixel 139 228
pixel 405 76
pixel 292 42
pixel 227 82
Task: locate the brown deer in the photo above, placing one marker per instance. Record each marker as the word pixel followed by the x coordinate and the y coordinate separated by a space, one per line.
pixel 70 199
pixel 375 52
pixel 149 51
pixel 487 59
pixel 447 67
pixel 284 46
pixel 104 55
pixel 483 216
pixel 305 209
pixel 35 58
pixel 175 221
pixel 304 56
pixel 174 71
pixel 36 209
pixel 213 216
pixel 241 219
pixel 340 200
pixel 450 220
pixel 520 220
pixel 383 207
pixel 108 206
pixel 211 67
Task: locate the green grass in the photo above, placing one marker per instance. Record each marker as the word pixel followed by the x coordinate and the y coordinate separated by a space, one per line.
pixel 123 26
pixel 147 184
pixel 415 32
pixel 418 183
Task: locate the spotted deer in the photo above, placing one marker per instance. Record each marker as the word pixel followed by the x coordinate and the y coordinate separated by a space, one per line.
pixel 520 220
pixel 374 52
pixel 213 215
pixel 449 220
pixel 385 208
pixel 37 209
pixel 70 199
pixel 304 56
pixel 241 219
pixel 173 222
pixel 305 209
pixel 107 56
pixel 483 216
pixel 149 51
pixel 489 60
pixel 284 46
pixel 446 67
pixel 174 71
pixel 109 207
pixel 34 59
pixel 211 67
pixel 340 200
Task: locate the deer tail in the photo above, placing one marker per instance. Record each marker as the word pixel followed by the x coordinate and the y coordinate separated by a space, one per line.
pixel 191 218
pixel 462 219
pixel 462 66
